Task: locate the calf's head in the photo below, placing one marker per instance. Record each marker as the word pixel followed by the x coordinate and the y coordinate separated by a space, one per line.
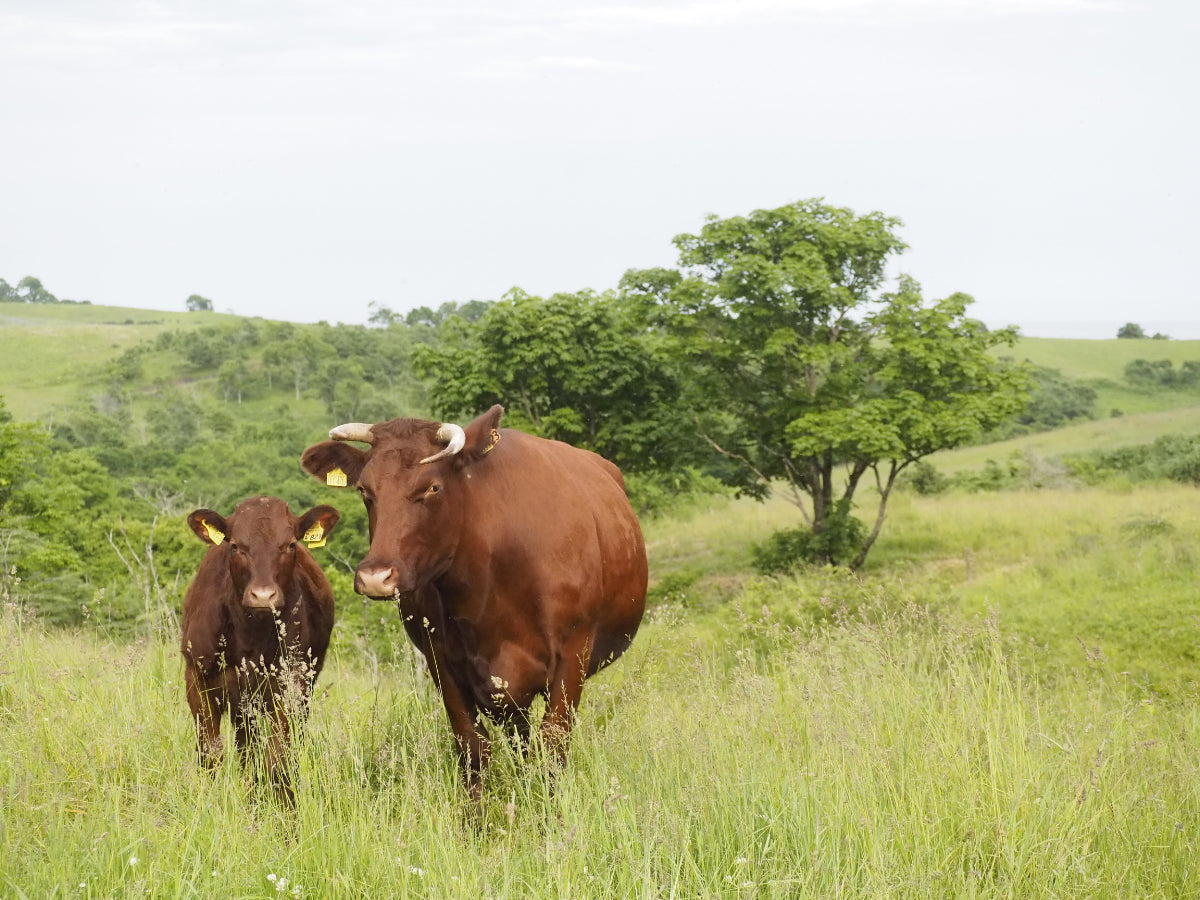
pixel 262 538
pixel 414 479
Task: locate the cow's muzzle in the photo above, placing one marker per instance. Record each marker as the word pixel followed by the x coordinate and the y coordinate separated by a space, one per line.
pixel 262 599
pixel 380 582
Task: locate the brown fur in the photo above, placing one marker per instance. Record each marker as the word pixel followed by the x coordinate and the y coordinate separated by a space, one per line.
pixel 519 566
pixel 257 619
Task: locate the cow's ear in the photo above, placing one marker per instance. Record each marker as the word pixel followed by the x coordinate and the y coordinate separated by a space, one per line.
pixel 483 434
pixel 333 462
pixel 314 526
pixel 209 526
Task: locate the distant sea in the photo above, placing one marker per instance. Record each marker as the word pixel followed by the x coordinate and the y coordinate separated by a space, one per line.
pixel 1178 330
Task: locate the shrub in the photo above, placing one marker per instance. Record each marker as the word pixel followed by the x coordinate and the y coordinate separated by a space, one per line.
pixel 925 479
pixel 787 550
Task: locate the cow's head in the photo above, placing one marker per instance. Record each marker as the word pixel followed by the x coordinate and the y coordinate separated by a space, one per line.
pixel 413 480
pixel 262 536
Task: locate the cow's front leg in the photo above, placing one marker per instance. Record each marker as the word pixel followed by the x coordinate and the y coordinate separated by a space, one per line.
pixel 207 699
pixel 470 736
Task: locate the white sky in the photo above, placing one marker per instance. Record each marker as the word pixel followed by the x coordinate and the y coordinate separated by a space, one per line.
pixel 299 160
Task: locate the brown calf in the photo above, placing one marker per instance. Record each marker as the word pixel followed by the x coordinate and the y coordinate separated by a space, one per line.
pixel 256 624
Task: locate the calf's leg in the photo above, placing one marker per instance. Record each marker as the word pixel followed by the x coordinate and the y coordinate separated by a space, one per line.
pixel 207 699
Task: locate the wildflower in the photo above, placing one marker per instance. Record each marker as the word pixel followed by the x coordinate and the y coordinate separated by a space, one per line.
pixel 420 873
pixel 133 860
pixel 271 878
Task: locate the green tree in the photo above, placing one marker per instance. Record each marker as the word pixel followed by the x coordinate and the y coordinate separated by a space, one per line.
pixel 581 368
pixel 233 377
pixel 196 303
pixel 1131 330
pixel 21 445
pixel 808 375
pixel 31 290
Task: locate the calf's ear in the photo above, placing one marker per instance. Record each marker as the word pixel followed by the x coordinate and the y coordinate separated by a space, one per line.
pixel 335 463
pixel 314 526
pixel 209 526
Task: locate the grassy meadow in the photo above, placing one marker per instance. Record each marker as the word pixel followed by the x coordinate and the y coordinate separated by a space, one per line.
pixel 1101 364
pixel 1002 706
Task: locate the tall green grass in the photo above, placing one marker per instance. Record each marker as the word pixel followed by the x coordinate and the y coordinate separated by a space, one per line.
pixel 891 752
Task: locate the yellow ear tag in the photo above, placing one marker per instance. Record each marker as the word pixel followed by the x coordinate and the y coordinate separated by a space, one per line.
pixel 214 534
pixel 335 478
pixel 314 537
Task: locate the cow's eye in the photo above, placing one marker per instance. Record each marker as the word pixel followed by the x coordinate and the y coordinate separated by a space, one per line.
pixel 433 488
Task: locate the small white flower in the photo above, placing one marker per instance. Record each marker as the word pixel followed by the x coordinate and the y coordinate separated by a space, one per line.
pixel 741 861
pixel 272 877
pixel 281 885
pixel 133 860
pixel 420 873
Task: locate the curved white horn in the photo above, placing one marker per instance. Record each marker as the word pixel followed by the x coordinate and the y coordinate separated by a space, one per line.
pixel 455 439
pixel 353 431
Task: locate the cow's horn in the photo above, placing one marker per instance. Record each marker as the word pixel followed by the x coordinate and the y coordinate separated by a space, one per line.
pixel 455 439
pixel 353 431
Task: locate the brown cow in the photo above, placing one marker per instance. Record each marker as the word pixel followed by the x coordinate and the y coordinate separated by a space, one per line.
pixel 518 564
pixel 256 623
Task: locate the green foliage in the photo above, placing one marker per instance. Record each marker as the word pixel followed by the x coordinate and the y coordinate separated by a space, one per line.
pixel 196 303
pixel 1162 373
pixel 1173 457
pixel 840 537
pixel 802 371
pixel 1131 330
pixel 664 492
pixel 1054 401
pixel 31 290
pixel 21 445
pixel 580 368
pixel 924 478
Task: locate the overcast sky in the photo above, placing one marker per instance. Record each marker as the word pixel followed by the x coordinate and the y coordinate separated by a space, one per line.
pixel 300 160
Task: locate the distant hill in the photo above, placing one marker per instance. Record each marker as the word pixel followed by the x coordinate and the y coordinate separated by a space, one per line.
pixel 51 350
pixel 54 354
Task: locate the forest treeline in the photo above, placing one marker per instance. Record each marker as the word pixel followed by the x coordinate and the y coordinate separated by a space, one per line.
pixel 776 356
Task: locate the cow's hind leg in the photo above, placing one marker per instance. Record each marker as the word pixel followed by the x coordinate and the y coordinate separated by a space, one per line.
pixel 566 687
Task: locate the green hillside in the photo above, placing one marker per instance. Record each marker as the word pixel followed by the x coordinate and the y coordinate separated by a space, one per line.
pixel 1101 365
pixel 52 351
pixel 56 354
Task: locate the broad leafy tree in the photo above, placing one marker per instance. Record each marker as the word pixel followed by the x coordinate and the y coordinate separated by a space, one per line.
pixel 196 303
pixel 578 367
pixel 1131 330
pixel 810 375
